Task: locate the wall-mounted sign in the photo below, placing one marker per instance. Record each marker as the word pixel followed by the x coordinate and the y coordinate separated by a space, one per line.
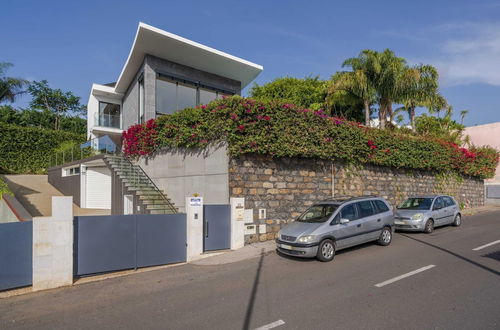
pixel 195 201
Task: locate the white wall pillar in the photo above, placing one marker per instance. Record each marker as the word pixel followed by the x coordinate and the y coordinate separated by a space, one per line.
pixel 53 246
pixel 237 222
pixel 194 222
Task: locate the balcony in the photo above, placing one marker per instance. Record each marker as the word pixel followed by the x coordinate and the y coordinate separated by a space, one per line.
pixel 105 120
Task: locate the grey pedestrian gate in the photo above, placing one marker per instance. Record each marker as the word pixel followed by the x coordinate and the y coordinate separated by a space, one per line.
pixel 217 227
pixel 16 254
pixel 109 243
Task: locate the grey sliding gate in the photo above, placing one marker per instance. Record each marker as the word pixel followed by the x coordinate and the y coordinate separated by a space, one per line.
pixel 109 243
pixel 16 254
pixel 217 227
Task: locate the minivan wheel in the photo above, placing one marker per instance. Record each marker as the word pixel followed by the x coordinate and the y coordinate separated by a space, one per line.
pixel 385 237
pixel 458 220
pixel 326 250
pixel 429 226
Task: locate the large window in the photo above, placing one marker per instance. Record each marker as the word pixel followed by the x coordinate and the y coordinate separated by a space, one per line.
pixel 141 100
pixel 173 95
pixel 109 115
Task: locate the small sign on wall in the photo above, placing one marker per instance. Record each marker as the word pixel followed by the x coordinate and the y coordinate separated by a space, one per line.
pixel 195 201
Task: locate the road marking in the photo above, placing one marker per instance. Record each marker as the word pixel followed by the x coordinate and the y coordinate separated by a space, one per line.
pixel 486 245
pixel 271 325
pixel 400 277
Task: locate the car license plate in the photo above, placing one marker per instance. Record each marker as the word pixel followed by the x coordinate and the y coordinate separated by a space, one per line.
pixel 399 222
pixel 286 247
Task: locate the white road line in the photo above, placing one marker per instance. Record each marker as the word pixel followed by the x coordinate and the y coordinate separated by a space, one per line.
pixel 392 280
pixel 486 245
pixel 271 325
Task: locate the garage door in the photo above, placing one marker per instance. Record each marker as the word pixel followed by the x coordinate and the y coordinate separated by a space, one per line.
pixel 98 188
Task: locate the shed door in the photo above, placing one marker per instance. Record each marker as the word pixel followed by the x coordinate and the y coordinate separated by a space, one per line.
pixel 98 187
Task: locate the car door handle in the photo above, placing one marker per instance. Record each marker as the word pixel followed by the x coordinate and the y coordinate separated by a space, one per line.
pixel 378 220
pixel 358 225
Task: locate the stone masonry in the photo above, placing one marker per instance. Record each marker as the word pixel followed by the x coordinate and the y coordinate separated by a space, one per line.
pixel 285 187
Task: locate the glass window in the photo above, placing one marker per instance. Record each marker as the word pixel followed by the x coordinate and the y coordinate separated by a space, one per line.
pixel 207 96
pixel 448 201
pixel 317 213
pixel 221 95
pixel 416 204
pixel 381 206
pixel 438 204
pixel 348 212
pixel 365 209
pixel 186 96
pixel 109 109
pixel 141 100
pixel 166 96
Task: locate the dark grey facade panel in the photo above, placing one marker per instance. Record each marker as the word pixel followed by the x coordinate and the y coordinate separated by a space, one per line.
pixel 493 191
pixel 67 185
pixel 16 254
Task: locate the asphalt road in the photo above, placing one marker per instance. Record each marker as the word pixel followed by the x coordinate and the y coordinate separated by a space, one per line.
pixel 456 288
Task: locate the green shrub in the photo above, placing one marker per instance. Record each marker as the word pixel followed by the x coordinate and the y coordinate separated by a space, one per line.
pixel 30 150
pixel 285 130
pixel 4 188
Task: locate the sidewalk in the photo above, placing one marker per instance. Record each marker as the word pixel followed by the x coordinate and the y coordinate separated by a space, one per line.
pixel 481 209
pixel 247 252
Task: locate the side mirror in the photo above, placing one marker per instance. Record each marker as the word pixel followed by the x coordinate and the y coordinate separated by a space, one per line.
pixel 344 221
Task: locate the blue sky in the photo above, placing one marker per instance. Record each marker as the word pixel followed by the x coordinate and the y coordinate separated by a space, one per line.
pixel 75 43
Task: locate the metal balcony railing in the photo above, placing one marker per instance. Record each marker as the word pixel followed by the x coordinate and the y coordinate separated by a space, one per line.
pixel 105 120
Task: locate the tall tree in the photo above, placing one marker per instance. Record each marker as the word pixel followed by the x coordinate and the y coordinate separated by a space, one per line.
pixel 418 86
pixel 55 101
pixel 384 71
pixel 357 84
pixel 10 87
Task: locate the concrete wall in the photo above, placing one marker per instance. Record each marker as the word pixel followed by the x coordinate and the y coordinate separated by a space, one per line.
pixel 182 173
pixel 67 185
pixel 285 187
pixel 53 246
pixel 6 214
pixel 130 103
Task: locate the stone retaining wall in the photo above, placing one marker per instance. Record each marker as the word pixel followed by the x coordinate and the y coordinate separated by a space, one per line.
pixel 285 187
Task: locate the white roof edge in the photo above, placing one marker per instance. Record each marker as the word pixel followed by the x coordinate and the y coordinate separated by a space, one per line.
pixel 145 26
pixel 104 88
pixel 196 44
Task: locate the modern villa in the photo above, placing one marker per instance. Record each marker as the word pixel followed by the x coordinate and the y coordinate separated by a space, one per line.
pixel 163 73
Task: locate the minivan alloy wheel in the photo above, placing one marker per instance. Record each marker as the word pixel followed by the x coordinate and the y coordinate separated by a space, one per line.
pixel 385 237
pixel 327 250
pixel 458 220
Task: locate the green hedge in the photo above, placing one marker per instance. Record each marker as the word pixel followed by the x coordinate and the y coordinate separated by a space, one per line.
pixel 285 130
pixel 4 188
pixel 26 150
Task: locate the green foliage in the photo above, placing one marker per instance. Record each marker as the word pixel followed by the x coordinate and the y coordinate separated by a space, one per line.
pixel 10 87
pixel 309 92
pixel 41 119
pixel 285 130
pixel 4 188
pixel 55 101
pixel 30 150
pixel 442 128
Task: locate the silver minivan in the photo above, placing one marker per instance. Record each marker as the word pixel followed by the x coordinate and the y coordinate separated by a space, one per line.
pixel 333 225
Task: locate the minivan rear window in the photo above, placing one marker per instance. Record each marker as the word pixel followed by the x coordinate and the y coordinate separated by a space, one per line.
pixel 381 206
pixel 365 209
pixel 318 213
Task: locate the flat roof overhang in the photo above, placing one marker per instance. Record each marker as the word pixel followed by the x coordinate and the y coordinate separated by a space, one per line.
pixel 165 45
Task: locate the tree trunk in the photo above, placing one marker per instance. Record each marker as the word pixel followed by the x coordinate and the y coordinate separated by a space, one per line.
pixel 367 113
pixel 412 118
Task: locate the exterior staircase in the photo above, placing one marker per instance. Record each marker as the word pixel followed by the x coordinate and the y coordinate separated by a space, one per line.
pixel 136 181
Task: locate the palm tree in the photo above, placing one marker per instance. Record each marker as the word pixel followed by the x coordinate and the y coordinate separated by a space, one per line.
pixel 418 86
pixel 10 87
pixel 356 83
pixel 384 71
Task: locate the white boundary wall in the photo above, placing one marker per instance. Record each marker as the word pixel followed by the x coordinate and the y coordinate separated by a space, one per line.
pixel 53 246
